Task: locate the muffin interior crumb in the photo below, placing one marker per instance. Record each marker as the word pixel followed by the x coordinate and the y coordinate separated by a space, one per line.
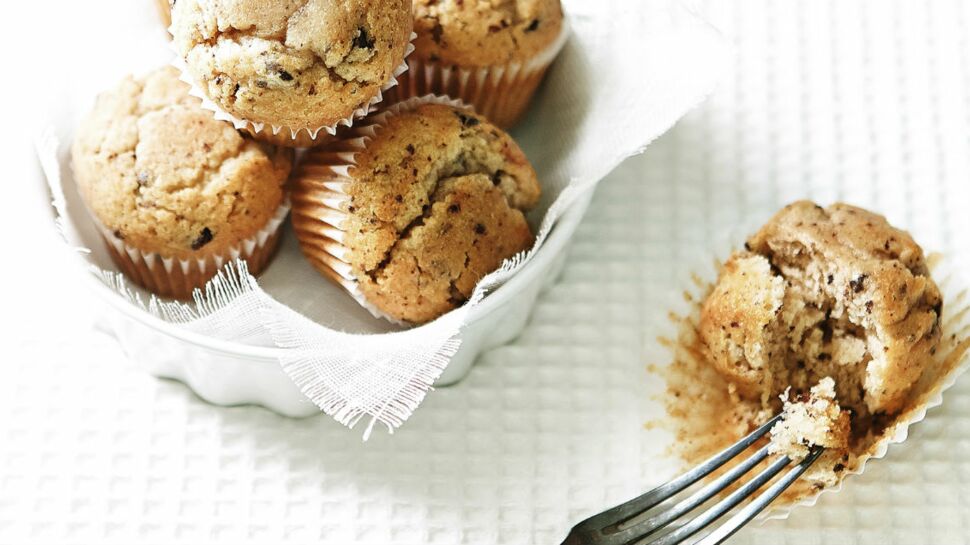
pixel 810 420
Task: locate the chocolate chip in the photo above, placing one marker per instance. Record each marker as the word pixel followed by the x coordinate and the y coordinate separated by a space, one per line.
pixel 747 246
pixel 868 307
pixel 497 177
pixel 436 31
pixel 399 198
pixel 858 284
pixel 363 40
pixel 467 120
pixel 410 148
pixel 312 90
pixel 827 332
pixel 839 468
pixel 285 76
pixel 829 279
pixel 118 234
pixel 532 26
pixel 261 84
pixel 455 208
pixel 205 237
pixel 479 229
pixel 735 324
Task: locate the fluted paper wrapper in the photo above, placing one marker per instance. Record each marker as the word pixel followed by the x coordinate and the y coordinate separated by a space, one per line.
pixel 320 198
pixel 501 93
pixel 282 135
pixel 179 278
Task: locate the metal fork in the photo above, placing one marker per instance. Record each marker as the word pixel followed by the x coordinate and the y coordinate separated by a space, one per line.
pixel 632 523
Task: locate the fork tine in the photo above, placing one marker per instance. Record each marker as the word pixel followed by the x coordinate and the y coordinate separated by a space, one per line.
pixel 721 507
pixel 597 523
pixel 749 511
pixel 663 518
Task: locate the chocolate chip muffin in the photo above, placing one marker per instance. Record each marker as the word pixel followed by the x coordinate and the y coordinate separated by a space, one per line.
pixel 301 66
pixel 492 55
pixel 412 209
pixel 825 292
pixel 175 192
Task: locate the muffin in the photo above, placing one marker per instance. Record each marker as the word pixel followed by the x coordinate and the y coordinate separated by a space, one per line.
pixel 175 192
pixel 410 210
pixel 825 292
pixel 492 55
pixel 291 69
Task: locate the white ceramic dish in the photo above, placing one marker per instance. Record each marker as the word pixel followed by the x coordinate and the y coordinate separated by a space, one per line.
pixel 576 134
pixel 232 373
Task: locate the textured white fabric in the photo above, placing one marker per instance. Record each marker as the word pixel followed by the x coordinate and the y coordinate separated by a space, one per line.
pixel 630 69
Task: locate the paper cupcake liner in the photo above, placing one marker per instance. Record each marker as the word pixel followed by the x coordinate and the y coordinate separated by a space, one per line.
pixel 178 278
pixel 951 361
pixel 319 198
pixel 501 93
pixel 164 11
pixel 300 137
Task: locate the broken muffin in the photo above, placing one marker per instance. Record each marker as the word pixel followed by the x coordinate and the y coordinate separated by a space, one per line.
pixel 824 292
pixel 409 210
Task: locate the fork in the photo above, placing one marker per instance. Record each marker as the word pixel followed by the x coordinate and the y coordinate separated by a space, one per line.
pixel 633 523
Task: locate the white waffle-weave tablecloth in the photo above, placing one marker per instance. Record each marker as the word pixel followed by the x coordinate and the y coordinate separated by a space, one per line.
pixel 867 102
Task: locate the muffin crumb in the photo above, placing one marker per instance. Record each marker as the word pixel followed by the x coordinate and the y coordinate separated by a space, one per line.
pixel 808 421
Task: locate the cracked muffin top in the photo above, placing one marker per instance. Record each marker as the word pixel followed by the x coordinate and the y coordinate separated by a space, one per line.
pixel 476 33
pixel 822 292
pixel 435 203
pixel 164 176
pixel 292 63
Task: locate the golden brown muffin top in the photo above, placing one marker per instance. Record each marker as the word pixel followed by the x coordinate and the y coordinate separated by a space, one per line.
pixel 299 64
pixel 435 203
pixel 164 176
pixel 476 33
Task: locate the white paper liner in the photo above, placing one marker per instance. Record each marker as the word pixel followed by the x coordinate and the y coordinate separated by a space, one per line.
pixel 321 229
pixel 509 88
pixel 312 132
pixel 243 250
pixel 955 290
